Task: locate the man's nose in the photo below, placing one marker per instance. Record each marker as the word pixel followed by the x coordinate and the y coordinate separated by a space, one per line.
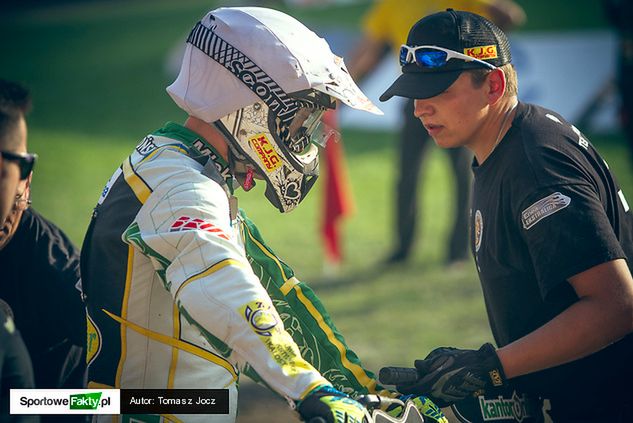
pixel 421 108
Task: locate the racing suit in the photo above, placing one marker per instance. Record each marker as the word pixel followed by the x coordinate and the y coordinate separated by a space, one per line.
pixel 182 292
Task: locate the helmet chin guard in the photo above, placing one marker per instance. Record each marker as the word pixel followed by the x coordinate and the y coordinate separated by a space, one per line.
pixel 281 152
pixel 264 80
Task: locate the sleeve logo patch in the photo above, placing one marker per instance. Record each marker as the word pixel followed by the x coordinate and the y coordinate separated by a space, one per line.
pixel 543 208
pixel 262 317
pixel 186 223
pixel 266 152
pixel 482 52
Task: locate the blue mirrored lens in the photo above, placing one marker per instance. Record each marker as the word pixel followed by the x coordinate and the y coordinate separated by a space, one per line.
pixel 430 59
pixel 403 56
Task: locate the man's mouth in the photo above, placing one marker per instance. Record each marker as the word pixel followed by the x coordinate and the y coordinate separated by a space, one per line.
pixel 433 129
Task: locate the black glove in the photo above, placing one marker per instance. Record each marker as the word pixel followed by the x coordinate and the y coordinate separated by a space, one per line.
pixel 448 375
pixel 332 406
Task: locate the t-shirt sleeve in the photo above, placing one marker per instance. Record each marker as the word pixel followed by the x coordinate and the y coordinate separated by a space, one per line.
pixel 567 231
pixel 59 261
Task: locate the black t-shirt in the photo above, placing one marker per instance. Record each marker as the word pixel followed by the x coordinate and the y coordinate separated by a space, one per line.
pixel 40 268
pixel 546 207
pixel 15 368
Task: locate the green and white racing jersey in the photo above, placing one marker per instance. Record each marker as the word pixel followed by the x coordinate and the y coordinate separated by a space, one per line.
pixel 182 292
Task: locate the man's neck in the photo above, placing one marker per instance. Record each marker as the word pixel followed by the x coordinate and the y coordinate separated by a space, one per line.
pixel 210 135
pixel 497 124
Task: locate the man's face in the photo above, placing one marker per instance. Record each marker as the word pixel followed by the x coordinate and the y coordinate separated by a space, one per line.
pixel 454 117
pixel 10 184
pixel 11 223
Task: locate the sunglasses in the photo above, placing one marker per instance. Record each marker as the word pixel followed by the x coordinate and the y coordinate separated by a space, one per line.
pixel 429 57
pixel 25 161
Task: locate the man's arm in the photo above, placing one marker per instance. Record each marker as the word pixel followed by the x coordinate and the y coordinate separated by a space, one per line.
pixel 602 315
pixel 367 54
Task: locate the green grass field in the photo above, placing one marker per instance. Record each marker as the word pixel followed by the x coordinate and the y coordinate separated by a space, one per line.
pixel 96 70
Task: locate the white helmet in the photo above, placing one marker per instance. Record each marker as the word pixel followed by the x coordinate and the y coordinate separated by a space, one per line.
pixel 264 80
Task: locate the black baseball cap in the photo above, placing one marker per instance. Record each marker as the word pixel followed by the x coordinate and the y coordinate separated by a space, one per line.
pixel 463 32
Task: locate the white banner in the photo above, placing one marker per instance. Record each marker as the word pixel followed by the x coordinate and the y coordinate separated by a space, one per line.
pixel 65 401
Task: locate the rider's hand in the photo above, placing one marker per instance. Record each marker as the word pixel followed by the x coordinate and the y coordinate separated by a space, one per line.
pixel 448 375
pixel 425 406
pixel 331 405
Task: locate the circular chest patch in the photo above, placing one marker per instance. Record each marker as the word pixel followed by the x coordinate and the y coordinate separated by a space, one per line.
pixel 479 227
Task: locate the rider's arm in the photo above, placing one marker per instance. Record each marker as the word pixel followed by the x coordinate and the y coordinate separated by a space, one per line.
pixel 213 284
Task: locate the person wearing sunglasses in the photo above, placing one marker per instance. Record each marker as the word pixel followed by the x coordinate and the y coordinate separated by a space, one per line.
pixel 39 265
pixel 16 370
pixel 551 232
pixel 385 27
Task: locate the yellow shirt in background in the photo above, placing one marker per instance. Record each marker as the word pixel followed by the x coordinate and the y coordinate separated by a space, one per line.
pixel 391 20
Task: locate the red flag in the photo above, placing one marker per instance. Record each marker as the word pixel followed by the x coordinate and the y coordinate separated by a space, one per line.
pixel 337 201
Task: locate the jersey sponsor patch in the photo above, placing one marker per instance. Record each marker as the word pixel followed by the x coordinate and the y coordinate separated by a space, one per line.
pixel 93 340
pixel 186 223
pixel 265 151
pixel 554 118
pixel 262 317
pixel 543 208
pixel 264 320
pixel 482 52
pixel 146 146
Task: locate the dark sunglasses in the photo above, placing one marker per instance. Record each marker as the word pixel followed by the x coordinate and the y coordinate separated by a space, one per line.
pixel 434 57
pixel 25 161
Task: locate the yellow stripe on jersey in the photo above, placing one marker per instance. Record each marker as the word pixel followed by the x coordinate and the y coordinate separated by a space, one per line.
pixel 177 343
pixel 356 370
pixel 170 147
pixel 136 183
pixel 174 350
pixel 219 265
pixel 124 306
pixel 97 385
pixel 288 285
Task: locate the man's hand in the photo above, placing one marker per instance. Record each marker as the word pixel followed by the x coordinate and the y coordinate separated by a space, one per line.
pixel 332 406
pixel 448 375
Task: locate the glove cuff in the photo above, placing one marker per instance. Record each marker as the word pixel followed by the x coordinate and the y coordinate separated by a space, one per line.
pixel 493 365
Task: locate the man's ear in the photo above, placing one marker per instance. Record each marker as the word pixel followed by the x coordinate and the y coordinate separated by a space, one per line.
pixel 496 85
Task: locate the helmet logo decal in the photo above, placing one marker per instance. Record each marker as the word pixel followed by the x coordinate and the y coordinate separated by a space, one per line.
pixel 265 151
pixel 245 69
pixel 292 191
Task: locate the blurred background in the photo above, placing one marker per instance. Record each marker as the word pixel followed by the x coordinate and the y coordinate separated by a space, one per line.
pixel 98 70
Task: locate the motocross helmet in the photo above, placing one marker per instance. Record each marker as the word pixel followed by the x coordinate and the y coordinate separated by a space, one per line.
pixel 264 80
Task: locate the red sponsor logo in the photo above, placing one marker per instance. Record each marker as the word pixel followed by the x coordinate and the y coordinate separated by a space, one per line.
pixel 267 155
pixel 186 223
pixel 482 52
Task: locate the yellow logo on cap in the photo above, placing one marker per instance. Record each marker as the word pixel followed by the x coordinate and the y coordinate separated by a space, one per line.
pixel 482 52
pixel 266 152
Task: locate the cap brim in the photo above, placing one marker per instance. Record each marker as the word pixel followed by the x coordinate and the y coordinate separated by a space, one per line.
pixel 421 84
